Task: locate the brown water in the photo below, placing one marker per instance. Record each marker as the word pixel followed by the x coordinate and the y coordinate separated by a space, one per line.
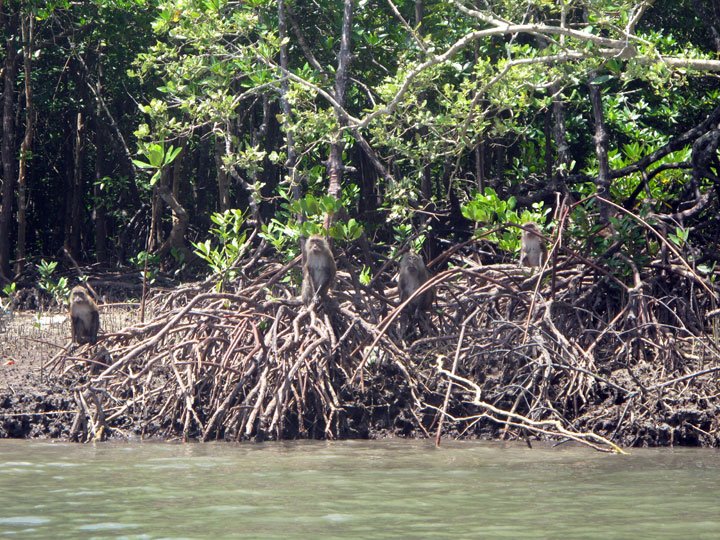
pixel 368 489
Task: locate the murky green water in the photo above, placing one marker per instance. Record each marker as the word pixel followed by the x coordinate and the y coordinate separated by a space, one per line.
pixel 369 489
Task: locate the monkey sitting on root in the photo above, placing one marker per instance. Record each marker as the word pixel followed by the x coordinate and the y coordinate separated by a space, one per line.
pixel 318 269
pixel 533 251
pixel 84 317
pixel 412 275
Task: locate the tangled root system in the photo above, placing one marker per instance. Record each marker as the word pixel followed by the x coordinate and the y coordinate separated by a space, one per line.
pixel 568 352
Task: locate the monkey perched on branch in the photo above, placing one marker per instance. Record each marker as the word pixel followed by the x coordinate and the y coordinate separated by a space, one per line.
pixel 318 270
pixel 412 275
pixel 84 317
pixel 532 251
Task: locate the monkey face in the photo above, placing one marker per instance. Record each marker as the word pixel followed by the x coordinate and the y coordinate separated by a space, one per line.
pixel 317 247
pixel 412 263
pixel 79 296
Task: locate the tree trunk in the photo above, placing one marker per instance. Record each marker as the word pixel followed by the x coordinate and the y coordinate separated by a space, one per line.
pixel 601 140
pixel 499 150
pixel 99 219
pixel 27 27
pixel 429 217
pixel 68 151
pixel 201 184
pixel 223 180
pixel 8 148
pixel 180 219
pixel 155 233
pixel 72 243
pixel 99 214
pixel 419 12
pixel 480 166
pixel 479 150
pixel 368 202
pixel 291 161
pixel 549 153
pixel 177 173
pixel 562 164
pixel 335 164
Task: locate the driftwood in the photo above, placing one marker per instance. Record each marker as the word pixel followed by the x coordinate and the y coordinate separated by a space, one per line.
pixel 568 353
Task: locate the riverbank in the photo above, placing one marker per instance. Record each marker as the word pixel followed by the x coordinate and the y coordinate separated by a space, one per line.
pixel 36 402
pixel 33 404
pixel 500 356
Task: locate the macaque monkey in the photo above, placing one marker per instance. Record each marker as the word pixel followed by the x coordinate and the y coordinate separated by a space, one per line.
pixel 533 251
pixel 84 316
pixel 413 274
pixel 319 269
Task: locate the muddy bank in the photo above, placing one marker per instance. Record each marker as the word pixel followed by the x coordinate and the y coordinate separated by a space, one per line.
pixel 32 405
pixel 500 355
pixel 35 400
pixel 39 404
pixel 36 404
pixel 42 413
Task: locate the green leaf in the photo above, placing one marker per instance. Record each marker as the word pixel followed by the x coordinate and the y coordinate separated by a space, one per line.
pixel 365 275
pixel 171 154
pixel 601 79
pixel 142 164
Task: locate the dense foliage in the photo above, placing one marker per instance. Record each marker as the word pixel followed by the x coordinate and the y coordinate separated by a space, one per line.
pixel 128 123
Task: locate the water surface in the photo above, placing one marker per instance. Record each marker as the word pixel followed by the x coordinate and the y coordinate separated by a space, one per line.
pixel 357 489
